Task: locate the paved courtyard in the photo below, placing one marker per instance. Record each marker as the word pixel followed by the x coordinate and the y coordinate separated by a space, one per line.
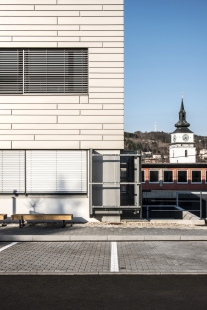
pixel 121 229
pixel 153 257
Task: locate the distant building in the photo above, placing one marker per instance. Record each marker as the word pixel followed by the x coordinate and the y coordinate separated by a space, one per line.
pixel 203 154
pixel 182 149
pixel 156 156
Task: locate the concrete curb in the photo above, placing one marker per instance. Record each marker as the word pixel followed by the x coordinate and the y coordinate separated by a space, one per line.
pixel 101 273
pixel 100 238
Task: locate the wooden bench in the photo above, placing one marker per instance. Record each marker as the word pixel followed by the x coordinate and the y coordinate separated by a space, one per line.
pixel 3 217
pixel 41 217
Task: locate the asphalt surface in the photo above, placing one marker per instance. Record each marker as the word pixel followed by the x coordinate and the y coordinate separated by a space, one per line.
pixel 103 292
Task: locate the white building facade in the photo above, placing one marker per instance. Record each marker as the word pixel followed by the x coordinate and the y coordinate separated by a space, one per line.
pixel 61 94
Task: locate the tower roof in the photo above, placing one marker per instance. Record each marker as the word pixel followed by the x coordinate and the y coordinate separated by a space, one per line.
pixel 182 125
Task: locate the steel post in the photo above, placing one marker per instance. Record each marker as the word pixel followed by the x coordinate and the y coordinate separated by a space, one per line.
pixel 90 182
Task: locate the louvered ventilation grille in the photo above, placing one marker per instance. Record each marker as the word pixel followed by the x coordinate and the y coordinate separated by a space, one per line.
pixel 44 71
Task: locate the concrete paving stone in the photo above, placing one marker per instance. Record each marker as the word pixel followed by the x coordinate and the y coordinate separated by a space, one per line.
pixel 189 238
pixel 52 237
pixel 166 251
pixel 125 238
pixel 14 238
pixel 162 238
pixel 88 238
pixel 82 229
pixel 94 257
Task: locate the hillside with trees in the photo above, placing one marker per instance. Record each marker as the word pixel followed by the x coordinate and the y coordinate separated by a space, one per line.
pixel 156 142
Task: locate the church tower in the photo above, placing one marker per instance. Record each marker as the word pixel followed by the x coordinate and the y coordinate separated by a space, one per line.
pixel 182 149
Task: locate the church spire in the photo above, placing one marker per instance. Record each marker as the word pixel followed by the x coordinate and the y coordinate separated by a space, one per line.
pixel 182 117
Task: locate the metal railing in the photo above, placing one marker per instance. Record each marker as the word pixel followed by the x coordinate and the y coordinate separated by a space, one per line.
pixel 173 209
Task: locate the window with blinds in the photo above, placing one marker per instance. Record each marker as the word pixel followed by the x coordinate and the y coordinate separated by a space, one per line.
pixel 11 71
pixel 26 71
pixel 46 172
pixel 12 171
pixel 56 172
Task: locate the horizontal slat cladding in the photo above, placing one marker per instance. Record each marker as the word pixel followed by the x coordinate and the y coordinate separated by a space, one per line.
pixel 56 171
pixel 12 171
pixel 94 26
pixel 43 71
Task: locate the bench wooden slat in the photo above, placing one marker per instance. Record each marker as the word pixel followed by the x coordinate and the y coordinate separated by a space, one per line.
pixel 46 217
pixel 3 217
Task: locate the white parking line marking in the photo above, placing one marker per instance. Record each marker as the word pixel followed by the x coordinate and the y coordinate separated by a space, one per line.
pixel 7 246
pixel 114 257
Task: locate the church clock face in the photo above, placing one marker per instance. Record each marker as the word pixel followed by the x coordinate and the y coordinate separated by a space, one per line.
pixel 185 137
pixel 174 138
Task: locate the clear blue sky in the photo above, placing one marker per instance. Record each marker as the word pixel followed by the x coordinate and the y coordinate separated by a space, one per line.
pixel 165 55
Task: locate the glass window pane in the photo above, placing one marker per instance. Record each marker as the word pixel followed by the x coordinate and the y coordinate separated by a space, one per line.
pixel 168 176
pixel 196 176
pixel 182 176
pixel 153 176
pixel 143 176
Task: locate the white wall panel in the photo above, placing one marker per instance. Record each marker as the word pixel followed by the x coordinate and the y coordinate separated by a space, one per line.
pixel 102 27
pixel 5 112
pixel 45 112
pixel 89 1
pixel 68 7
pixel 44 145
pixel 80 44
pixel 28 44
pixel 54 126
pixel 9 2
pixel 39 13
pixel 40 27
pixel 113 44
pixel 16 137
pixel 27 120
pixel 90 119
pixel 10 20
pixel 28 106
pixel 113 7
pixel 40 132
pixel 101 13
pixel 15 7
pixel 28 33
pixel 106 64
pixel 103 112
pixel 113 126
pixel 60 137
pixel 92 34
pixel 88 20
pixel 102 145
pixel 5 126
pixel 28 99
pixel 6 145
pixel 40 39
pixel 81 106
pixel 105 100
